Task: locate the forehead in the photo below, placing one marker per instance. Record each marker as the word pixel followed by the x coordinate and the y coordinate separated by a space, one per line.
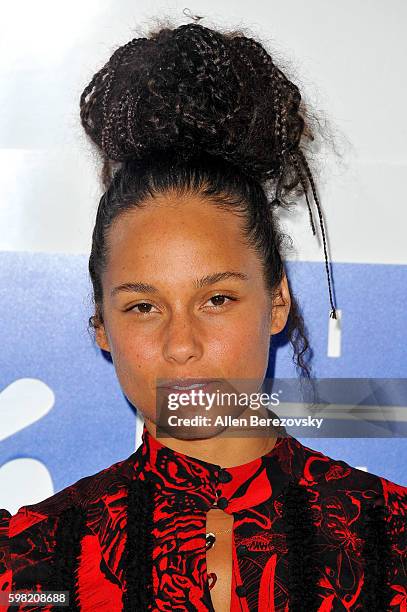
pixel 172 236
pixel 168 220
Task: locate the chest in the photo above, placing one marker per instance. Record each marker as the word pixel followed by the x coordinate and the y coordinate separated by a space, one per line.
pixel 219 558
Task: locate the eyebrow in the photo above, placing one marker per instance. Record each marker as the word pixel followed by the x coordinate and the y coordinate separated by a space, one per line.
pixel 209 279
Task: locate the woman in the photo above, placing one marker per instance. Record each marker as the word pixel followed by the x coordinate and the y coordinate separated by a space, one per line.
pixel 197 128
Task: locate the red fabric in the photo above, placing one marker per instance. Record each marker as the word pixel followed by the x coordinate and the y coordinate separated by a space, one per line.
pixel 185 490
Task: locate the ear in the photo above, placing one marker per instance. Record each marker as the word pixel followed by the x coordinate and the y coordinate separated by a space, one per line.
pixel 101 338
pixel 280 307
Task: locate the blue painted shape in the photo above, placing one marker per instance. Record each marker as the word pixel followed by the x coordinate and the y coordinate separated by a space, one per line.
pixel 44 313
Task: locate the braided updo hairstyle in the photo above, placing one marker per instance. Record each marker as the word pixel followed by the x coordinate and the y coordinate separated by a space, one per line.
pixel 193 110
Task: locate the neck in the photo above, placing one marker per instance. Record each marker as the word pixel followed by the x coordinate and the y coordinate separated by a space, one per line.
pixel 226 448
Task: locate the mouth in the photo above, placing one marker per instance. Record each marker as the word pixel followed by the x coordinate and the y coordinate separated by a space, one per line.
pixel 183 385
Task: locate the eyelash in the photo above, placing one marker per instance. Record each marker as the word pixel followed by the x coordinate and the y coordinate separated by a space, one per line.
pixel 143 314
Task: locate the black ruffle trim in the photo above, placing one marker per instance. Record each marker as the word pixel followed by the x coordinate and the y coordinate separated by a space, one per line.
pixel 376 593
pixel 302 555
pixel 70 530
pixel 138 561
pixel 304 569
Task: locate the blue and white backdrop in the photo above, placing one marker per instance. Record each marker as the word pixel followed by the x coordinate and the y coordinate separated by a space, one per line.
pixel 62 413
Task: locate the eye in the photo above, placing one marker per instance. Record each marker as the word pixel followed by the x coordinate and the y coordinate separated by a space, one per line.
pixel 221 297
pixel 142 305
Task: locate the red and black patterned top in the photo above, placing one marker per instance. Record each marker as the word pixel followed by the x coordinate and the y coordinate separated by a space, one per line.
pixel 310 533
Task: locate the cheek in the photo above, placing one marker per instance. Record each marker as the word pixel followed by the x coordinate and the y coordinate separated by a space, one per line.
pixel 131 348
pixel 246 346
pixel 134 361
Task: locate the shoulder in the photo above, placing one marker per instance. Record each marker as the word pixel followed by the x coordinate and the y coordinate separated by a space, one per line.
pixel 44 535
pixel 85 493
pixel 362 514
pixel 333 476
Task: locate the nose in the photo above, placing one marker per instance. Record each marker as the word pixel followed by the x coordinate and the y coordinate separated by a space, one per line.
pixel 182 339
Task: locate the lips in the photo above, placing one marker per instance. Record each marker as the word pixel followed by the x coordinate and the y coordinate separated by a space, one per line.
pixel 186 384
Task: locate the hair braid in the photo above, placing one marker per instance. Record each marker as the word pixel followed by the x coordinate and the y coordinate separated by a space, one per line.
pixel 301 155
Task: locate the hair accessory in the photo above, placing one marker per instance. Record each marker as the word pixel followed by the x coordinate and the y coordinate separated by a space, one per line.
pixel 190 15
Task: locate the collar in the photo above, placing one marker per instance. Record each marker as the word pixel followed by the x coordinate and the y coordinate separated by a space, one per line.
pixel 212 486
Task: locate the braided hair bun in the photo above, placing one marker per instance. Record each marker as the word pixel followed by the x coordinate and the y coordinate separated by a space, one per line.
pixel 193 89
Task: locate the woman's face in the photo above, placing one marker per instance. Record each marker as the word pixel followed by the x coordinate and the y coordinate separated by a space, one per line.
pixel 177 327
